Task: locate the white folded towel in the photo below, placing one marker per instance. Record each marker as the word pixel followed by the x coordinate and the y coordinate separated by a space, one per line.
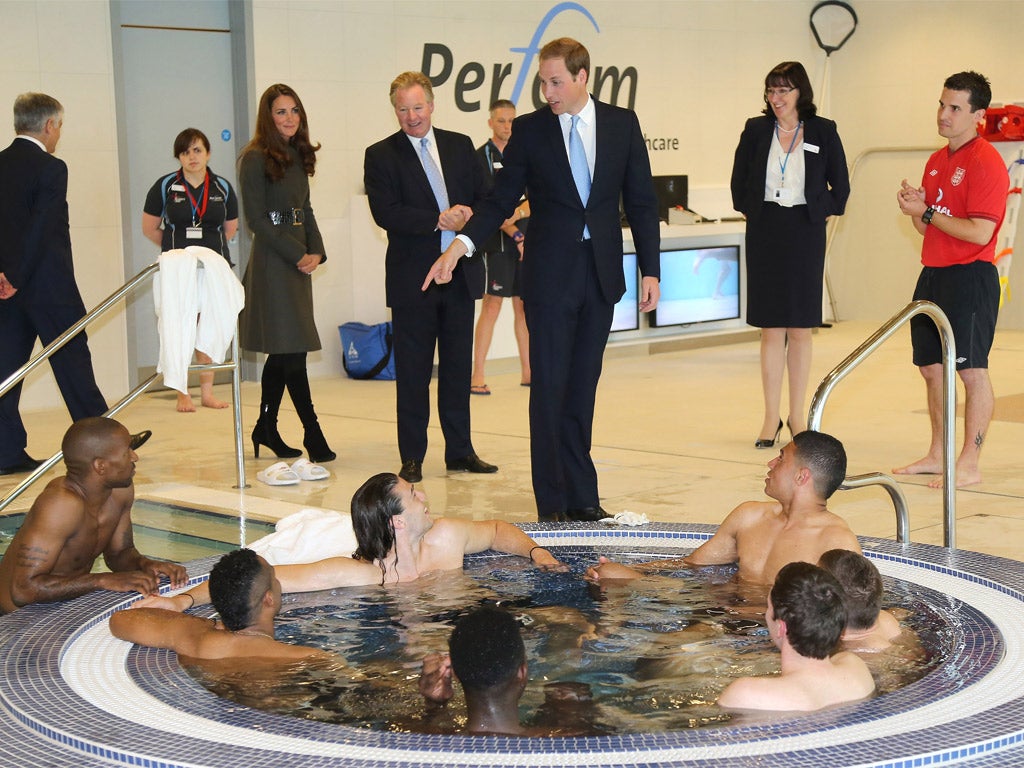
pixel 307 536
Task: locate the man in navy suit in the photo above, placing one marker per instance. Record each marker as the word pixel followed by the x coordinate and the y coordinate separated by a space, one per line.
pixel 577 156
pixel 38 292
pixel 422 183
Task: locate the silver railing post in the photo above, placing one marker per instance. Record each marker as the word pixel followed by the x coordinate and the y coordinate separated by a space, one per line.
pixel 858 355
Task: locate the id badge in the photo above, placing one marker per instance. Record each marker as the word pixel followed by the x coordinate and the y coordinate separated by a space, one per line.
pixel 194 233
pixel 782 195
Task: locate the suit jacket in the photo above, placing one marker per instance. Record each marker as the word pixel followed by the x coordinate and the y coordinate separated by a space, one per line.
pixel 827 180
pixel 34 228
pixel 535 158
pixel 403 204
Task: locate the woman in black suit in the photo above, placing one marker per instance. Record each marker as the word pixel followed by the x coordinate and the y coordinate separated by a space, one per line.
pixel 788 177
pixel 273 174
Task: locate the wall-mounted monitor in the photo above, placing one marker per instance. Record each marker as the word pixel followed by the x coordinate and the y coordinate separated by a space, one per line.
pixel 627 311
pixel 671 192
pixel 698 285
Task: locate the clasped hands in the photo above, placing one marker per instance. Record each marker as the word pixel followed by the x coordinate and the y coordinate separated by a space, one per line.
pixel 451 220
pixel 309 262
pixel 911 200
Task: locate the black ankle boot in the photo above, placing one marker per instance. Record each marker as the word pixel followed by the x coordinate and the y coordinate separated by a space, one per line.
pixel 314 441
pixel 316 444
pixel 265 433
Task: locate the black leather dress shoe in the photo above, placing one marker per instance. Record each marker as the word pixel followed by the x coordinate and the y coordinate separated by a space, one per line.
pixel 412 471
pixel 471 463
pixel 139 439
pixel 586 514
pixel 24 465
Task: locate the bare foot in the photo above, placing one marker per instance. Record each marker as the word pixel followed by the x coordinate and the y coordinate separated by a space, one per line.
pixel 185 404
pixel 212 402
pixel 964 477
pixel 925 466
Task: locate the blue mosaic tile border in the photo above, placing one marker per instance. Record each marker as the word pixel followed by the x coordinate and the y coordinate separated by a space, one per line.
pixel 32 641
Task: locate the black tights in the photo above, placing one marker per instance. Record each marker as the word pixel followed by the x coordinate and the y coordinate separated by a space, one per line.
pixel 279 370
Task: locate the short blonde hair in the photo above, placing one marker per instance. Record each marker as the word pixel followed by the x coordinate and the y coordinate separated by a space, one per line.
pixel 410 80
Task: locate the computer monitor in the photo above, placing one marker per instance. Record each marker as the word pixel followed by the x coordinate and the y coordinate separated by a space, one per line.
pixel 671 192
pixel 698 285
pixel 627 311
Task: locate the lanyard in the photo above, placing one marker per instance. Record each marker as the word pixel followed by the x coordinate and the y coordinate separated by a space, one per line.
pixel 197 212
pixel 784 163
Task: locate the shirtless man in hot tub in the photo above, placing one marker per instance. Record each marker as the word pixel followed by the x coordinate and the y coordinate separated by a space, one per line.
pixel 764 536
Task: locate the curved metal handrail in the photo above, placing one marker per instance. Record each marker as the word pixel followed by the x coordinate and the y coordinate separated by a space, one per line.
pixel 856 357
pixel 11 381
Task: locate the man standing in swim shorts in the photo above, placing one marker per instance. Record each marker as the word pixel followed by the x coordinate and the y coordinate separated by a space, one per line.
pixel 959 208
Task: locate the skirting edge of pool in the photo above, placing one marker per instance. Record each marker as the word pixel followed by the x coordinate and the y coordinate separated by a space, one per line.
pixel 71 694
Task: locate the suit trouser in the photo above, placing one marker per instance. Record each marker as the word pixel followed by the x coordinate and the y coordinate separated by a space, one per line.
pixel 20 324
pixel 567 341
pixel 443 317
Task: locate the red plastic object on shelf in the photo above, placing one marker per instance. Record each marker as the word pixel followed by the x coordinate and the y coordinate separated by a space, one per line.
pixel 1004 123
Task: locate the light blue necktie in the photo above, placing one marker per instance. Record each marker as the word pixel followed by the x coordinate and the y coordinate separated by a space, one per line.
pixel 580 169
pixel 437 185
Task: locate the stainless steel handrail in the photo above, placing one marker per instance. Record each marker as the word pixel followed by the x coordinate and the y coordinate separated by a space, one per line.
pixel 856 357
pixel 11 381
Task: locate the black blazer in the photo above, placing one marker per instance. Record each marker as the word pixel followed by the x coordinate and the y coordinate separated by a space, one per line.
pixel 827 180
pixel 403 204
pixel 34 230
pixel 535 158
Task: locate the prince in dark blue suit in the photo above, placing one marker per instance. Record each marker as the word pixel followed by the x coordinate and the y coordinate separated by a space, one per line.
pixel 38 293
pixel 418 219
pixel 572 265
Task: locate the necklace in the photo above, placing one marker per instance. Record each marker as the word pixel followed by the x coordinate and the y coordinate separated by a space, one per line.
pixel 253 633
pixel 786 130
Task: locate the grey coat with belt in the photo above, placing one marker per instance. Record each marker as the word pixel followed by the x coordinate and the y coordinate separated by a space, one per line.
pixel 278 314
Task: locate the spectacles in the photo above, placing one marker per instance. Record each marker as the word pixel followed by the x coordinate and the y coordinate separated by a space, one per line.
pixel 778 91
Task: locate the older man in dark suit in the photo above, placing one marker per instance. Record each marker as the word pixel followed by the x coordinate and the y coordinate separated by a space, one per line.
pixel 422 183
pixel 38 292
pixel 577 156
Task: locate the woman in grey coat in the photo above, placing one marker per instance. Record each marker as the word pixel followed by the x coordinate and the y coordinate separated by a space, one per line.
pixel 274 171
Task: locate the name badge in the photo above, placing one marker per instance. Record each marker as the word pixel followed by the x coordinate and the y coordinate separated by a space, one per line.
pixel 811 148
pixel 177 188
pixel 194 233
pixel 498 166
pixel 782 195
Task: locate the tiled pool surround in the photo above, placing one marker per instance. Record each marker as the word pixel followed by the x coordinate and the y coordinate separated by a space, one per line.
pixel 77 691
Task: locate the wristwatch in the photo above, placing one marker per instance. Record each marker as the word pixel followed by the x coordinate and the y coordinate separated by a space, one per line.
pixel 518 236
pixel 926 217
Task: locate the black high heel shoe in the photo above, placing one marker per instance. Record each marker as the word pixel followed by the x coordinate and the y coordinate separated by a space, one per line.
pixel 265 433
pixel 763 442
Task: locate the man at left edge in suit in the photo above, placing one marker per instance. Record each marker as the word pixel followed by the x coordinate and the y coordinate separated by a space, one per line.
pixel 38 293
pixel 422 183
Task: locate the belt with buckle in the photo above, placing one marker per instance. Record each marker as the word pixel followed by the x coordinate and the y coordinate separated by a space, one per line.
pixel 293 216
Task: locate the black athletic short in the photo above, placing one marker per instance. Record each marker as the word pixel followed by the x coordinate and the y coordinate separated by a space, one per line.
pixel 503 273
pixel 969 295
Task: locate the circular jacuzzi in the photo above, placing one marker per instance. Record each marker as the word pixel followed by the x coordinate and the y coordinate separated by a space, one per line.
pixel 80 697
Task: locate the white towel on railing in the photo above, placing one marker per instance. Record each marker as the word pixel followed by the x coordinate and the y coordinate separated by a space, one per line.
pixel 182 293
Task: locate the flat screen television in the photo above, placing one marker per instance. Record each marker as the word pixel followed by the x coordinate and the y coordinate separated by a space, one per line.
pixel 698 285
pixel 671 192
pixel 627 311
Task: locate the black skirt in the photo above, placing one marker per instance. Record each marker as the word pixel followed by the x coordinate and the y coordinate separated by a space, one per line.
pixel 785 266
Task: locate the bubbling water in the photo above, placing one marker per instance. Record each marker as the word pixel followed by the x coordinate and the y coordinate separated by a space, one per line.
pixel 655 653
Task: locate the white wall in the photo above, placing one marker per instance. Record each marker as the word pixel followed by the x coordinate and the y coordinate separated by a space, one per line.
pixel 63 48
pixel 700 62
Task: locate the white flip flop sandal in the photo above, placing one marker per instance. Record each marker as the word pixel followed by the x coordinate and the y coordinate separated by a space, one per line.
pixel 307 470
pixel 278 474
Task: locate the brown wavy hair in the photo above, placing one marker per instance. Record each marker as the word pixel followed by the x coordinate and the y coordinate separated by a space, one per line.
pixel 267 140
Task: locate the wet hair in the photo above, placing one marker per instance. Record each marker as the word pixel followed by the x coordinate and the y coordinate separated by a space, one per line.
pixel 374 507
pixel 793 75
pixel 32 110
pixel 486 649
pixel 810 601
pixel 268 140
pixel 88 439
pixel 501 104
pixel 861 583
pixel 408 80
pixel 825 456
pixel 238 583
pixel 572 52
pixel 974 83
pixel 184 140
